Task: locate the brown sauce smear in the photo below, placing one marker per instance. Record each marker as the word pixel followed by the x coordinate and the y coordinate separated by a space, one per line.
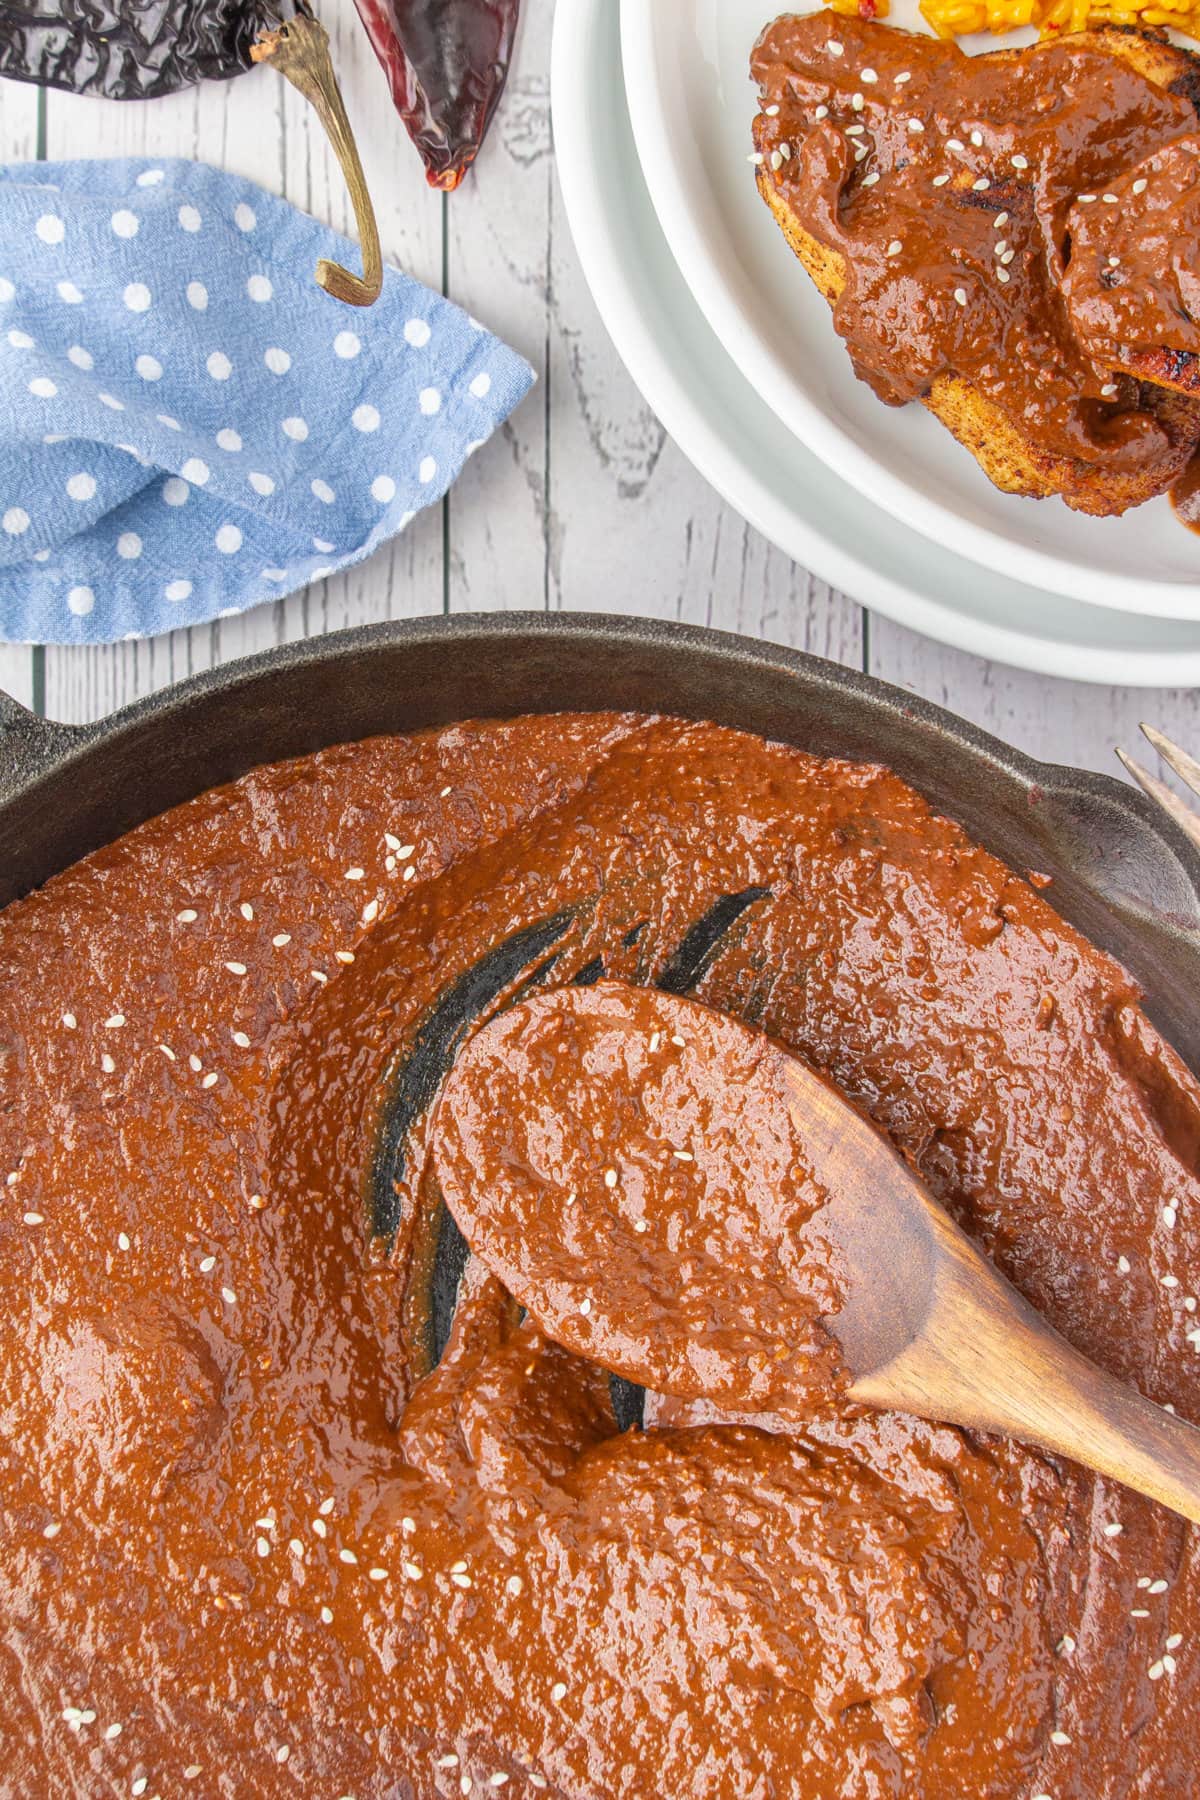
pixel 955 187
pixel 246 1524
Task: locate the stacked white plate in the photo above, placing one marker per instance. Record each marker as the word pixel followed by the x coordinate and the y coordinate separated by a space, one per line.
pixel 734 350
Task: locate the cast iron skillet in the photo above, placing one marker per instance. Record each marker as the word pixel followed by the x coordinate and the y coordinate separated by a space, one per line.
pixel 1125 876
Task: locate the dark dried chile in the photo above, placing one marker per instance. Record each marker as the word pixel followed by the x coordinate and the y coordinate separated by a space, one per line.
pixel 128 49
pixel 447 62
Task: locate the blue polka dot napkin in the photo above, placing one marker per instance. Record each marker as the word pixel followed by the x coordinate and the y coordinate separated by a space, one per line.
pixel 189 425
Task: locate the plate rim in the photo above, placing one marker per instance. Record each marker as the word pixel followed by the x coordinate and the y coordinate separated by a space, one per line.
pixel 577 36
pixel 641 27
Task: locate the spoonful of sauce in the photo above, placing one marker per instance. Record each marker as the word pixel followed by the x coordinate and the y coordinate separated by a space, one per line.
pixel 674 1196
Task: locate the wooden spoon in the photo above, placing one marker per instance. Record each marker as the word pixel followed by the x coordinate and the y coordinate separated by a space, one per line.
pixel 559 1146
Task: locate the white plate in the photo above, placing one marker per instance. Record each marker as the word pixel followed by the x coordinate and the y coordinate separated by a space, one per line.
pixel 692 102
pixel 738 444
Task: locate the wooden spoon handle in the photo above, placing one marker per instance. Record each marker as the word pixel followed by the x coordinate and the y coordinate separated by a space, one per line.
pixel 985 1359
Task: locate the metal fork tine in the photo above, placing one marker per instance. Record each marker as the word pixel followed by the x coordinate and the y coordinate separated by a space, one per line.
pixel 1185 766
pixel 1183 815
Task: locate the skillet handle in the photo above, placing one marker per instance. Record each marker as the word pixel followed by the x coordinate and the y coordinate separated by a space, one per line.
pixel 28 744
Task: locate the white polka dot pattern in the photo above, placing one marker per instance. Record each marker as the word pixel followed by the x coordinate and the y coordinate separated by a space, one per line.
pixel 294 435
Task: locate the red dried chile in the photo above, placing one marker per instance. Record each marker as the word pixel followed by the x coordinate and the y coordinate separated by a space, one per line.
pixel 447 62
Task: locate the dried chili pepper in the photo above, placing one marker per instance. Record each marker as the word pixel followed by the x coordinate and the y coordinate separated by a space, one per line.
pixel 447 62
pixel 128 49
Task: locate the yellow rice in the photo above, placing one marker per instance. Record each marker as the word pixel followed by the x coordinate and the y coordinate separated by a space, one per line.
pixel 958 18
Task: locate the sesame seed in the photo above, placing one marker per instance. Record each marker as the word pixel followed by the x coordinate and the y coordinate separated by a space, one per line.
pixel 326 1616
pixel 756 157
pixel 210 1080
pixel 982 185
pixel 344 956
pixel 370 911
pixel 112 1731
pixel 610 1178
pixel 683 1156
pixel 347 1556
pixel 464 1786
pixel 514 1586
pixel 247 911
pixel 1174 1641
pixel 188 916
pixel 70 1021
pixel 940 180
pixel 1114 262
pixel 408 1525
pixel 1000 221
pixel 855 130
pixel 1059 1737
pixel 1139 186
pixel 857 102
pixel 960 295
pixel 1170 1281
pixel 498 1780
pixel 139 1786
pixel 1156 1671
pixel 1158 1587
pixel 785 150
pixel 1169 1664
pixel 835 48
pixel 236 968
pixel 317 975
pixel 1123 1264
pixel 107 1064
pixel 296 1548
pixel 1000 247
pixel 822 112
pixel 33 1218
pixel 868 75
pixel 1066 1645
pixel 256 1202
pixel 241 1040
pixel 444 792
pixel 1139 1612
pixel 412 1570
pixel 228 1296
pixel 585 1307
pixel 772 112
pixel 1110 199
pixel 954 144
pixel 1086 199
pixel 195 1064
pixel 191 1772
pixel 458 1568
pixel 51 1531
pixel 639 1225
pixel 262 1546
pixel 282 1754
pixel 355 874
pixel 115 1023
pixel 1169 1213
pixel 1113 1530
pixel 281 938
pixel 409 873
pixel 320 1527
pixel 1019 162
pixel 168 1052
pixel 871 179
pixel 776 161
pixel 1002 276
pixel 122 1240
pixel 447 1762
pixel 559 1691
pixel 977 138
pixel 377 1574
pixel 915 126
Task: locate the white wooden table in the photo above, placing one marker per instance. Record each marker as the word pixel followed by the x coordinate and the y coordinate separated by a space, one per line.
pixel 582 501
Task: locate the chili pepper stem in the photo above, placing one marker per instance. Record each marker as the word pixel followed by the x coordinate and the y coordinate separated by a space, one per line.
pixel 299 49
